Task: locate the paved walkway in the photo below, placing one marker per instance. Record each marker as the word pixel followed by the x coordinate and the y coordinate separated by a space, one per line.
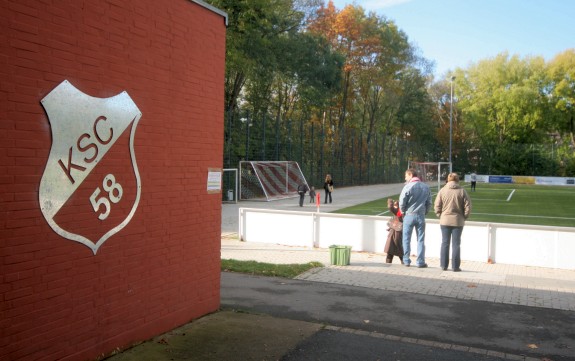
pixel 499 283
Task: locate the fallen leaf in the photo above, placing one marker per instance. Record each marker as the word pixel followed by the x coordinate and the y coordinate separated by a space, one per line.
pixel 532 345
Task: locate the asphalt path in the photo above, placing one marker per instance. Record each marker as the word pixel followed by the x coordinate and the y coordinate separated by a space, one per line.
pixel 371 324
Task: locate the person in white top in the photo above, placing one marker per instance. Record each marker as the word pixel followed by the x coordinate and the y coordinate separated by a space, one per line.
pixel 473 181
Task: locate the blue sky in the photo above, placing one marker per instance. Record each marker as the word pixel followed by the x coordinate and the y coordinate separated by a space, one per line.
pixel 457 33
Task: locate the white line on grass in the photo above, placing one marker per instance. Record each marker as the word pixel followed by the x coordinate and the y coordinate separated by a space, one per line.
pixel 489 199
pixel 493 189
pixel 511 195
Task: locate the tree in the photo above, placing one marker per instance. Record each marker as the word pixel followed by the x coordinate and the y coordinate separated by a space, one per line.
pixel 378 60
pixel 561 70
pixel 503 103
pixel 255 26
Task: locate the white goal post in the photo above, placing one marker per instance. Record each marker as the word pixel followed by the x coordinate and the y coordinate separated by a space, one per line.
pixel 431 172
pixel 268 180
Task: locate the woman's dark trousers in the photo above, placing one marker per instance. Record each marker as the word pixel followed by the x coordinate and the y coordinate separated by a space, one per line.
pixel 450 234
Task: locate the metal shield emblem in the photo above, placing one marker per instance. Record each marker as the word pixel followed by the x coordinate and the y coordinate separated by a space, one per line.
pixel 91 186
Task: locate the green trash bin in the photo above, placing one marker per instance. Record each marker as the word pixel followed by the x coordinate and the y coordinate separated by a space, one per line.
pixel 339 255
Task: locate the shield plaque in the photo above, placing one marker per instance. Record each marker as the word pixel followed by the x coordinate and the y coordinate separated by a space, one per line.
pixel 91 186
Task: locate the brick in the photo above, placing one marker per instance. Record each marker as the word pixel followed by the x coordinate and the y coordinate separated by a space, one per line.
pixel 22 223
pixel 18 293
pixel 6 179
pixel 24 45
pixel 23 27
pixel 20 7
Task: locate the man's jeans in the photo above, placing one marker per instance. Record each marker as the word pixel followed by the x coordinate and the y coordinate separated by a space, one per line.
pixel 451 235
pixel 416 221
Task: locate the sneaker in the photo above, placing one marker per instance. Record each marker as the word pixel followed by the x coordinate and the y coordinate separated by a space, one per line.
pixel 422 266
pixel 444 268
pixel 457 270
pixel 406 264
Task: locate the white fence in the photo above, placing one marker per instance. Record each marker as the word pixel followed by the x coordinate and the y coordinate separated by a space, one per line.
pixel 526 245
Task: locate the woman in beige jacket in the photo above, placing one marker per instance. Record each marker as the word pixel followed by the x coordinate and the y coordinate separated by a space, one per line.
pixel 453 207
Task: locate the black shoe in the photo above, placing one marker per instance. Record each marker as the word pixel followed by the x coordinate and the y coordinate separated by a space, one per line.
pixel 444 268
pixel 406 264
pixel 422 266
pixel 457 270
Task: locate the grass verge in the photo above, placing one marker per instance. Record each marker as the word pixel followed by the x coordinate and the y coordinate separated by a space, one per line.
pixel 267 269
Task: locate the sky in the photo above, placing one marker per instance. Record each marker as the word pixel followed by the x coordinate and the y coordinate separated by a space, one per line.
pixel 459 33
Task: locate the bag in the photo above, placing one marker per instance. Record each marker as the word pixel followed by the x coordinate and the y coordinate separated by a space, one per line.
pixel 395 224
pixel 330 188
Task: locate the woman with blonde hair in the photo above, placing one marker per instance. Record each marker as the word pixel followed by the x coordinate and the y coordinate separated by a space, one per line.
pixel 328 186
pixel 452 206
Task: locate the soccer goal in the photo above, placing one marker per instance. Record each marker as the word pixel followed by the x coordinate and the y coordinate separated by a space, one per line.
pixel 432 172
pixel 268 181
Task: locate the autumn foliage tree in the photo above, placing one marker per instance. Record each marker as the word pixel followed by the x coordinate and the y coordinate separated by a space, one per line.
pixel 379 65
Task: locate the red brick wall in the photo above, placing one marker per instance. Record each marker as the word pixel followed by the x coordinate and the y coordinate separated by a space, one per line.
pixel 57 299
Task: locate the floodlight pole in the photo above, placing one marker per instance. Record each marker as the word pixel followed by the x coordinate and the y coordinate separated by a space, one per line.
pixel 451 124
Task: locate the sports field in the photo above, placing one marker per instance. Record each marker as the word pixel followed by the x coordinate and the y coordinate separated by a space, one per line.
pixel 503 203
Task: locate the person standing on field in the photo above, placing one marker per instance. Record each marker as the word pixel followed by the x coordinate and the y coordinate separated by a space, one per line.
pixel 452 206
pixel 414 203
pixel 473 181
pixel 302 190
pixel 312 195
pixel 328 187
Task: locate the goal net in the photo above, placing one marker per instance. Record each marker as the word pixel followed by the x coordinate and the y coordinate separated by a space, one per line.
pixel 268 181
pixel 431 172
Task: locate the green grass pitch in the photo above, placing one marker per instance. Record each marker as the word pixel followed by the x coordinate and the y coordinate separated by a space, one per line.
pixel 502 203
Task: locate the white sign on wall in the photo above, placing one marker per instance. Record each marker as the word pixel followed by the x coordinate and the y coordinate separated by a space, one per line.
pixel 214 180
pixel 91 186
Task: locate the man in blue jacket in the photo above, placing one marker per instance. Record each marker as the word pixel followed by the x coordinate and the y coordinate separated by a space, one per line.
pixel 414 202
